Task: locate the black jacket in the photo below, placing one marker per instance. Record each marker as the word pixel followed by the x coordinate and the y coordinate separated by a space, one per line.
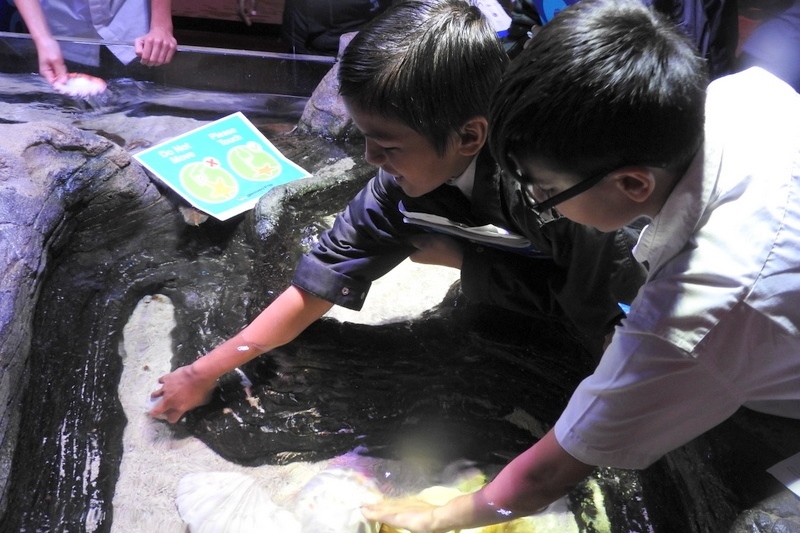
pixel 584 277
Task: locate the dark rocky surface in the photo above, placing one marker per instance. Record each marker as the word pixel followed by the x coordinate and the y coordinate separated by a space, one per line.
pixel 86 234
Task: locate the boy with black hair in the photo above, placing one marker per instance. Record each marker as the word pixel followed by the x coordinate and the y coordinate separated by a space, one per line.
pixel 417 82
pixel 607 117
pixel 711 24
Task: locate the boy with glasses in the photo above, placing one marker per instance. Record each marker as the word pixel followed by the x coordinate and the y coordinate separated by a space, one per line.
pixel 607 117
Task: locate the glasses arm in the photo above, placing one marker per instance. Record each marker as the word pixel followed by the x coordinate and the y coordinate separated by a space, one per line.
pixel 571 192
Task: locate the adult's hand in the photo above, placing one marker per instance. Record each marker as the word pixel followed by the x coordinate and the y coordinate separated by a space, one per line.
pixel 156 48
pixel 51 61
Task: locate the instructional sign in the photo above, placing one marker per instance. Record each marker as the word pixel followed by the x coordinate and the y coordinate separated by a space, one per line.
pixel 788 473
pixel 221 168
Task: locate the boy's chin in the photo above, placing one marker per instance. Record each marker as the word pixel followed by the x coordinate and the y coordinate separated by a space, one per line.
pixel 412 191
pixel 408 189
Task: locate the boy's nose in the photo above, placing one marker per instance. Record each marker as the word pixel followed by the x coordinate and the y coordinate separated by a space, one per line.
pixel 374 154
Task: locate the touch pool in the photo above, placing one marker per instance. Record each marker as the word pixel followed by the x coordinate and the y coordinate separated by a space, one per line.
pixel 99 262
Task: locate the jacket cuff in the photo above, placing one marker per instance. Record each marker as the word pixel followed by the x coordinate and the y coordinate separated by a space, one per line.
pixel 319 280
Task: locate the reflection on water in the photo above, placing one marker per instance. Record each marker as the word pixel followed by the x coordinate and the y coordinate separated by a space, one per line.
pixel 135 98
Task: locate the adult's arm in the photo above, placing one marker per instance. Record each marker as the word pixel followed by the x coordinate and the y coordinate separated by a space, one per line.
pixel 158 45
pixel 51 60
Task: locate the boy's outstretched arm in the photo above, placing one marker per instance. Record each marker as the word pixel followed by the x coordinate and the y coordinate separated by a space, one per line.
pixel 283 320
pixel 534 479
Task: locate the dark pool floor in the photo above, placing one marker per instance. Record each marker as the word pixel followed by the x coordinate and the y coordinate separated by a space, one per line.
pixel 228 34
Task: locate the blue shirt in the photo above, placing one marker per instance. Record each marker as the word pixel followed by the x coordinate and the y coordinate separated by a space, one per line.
pixel 109 20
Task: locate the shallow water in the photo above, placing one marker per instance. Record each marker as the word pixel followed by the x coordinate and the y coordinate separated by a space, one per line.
pixel 135 98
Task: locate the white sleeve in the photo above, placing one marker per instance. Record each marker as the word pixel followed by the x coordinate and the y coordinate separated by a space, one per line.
pixel 646 397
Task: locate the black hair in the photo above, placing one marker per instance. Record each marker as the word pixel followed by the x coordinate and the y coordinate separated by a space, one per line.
pixel 606 83
pixel 431 64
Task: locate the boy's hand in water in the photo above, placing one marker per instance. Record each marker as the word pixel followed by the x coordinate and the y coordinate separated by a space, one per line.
pixel 156 48
pixel 180 391
pixel 412 514
pixel 437 250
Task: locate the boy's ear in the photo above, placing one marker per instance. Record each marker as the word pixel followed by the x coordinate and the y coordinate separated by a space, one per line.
pixel 472 136
pixel 637 183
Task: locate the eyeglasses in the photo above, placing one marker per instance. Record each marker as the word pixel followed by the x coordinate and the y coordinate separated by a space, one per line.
pixel 529 197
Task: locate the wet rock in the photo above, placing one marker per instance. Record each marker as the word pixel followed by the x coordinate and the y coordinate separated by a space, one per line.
pixel 58 180
pixel 776 514
pixel 325 114
pixel 721 481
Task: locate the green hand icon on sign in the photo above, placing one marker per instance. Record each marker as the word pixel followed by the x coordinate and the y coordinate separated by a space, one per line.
pixel 251 162
pixel 209 182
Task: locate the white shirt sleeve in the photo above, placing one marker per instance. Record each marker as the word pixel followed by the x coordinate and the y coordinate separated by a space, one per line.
pixel 645 398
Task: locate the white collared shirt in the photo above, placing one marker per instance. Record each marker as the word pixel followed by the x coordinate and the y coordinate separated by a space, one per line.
pixel 717 324
pixel 466 180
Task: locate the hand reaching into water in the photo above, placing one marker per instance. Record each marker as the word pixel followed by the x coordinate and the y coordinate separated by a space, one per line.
pixel 526 486
pixel 192 385
pixel 181 391
pixel 51 61
pixel 156 47
pixel 412 514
